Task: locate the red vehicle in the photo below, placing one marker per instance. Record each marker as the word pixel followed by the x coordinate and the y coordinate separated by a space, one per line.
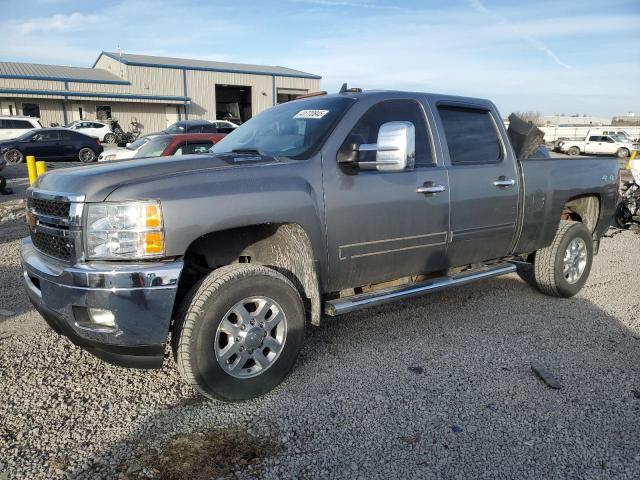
pixel 178 144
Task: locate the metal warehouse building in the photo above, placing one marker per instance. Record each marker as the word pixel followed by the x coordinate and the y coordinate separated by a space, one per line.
pixel 153 91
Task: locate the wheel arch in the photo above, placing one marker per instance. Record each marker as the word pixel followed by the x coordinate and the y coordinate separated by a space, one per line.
pixel 285 247
pixel 583 208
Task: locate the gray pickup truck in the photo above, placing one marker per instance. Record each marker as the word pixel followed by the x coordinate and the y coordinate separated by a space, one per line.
pixel 319 206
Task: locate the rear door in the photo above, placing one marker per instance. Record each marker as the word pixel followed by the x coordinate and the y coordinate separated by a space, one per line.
pixel 381 225
pixel 484 183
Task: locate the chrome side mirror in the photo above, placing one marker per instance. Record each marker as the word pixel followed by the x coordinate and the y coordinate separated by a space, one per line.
pixel 395 149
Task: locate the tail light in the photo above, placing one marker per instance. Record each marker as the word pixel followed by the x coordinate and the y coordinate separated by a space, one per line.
pixel 98 141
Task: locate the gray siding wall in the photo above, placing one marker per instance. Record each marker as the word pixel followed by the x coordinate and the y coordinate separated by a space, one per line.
pixel 200 86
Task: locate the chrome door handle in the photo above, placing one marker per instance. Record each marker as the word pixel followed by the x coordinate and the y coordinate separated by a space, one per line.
pixel 431 189
pixel 504 182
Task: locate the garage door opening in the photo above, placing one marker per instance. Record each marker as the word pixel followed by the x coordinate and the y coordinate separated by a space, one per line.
pixel 233 103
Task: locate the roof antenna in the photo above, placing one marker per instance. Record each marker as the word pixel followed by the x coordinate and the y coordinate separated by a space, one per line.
pixel 343 88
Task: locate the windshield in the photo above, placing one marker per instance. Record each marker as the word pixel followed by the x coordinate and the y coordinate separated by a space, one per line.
pixel 138 143
pixel 153 148
pixel 176 128
pixel 294 129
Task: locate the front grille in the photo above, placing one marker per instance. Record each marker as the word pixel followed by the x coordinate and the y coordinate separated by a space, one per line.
pixel 49 207
pixel 59 247
pixel 54 223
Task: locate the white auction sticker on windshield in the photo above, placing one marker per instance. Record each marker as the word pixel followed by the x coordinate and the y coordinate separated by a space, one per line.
pixel 311 114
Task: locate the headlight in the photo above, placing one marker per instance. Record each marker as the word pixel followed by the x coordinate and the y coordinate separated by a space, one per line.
pixel 124 230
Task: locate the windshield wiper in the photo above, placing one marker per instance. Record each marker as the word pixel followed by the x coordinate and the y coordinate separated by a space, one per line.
pixel 250 151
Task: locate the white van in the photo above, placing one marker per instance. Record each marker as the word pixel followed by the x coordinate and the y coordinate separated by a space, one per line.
pixel 12 126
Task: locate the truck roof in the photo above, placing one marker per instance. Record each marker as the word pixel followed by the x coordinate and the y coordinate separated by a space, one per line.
pixel 389 94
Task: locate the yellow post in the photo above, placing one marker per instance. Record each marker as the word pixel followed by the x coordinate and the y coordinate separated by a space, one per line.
pixel 31 168
pixel 41 167
pixel 631 158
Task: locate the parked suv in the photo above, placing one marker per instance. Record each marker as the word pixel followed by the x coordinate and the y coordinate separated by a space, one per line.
pixel 323 205
pixel 14 126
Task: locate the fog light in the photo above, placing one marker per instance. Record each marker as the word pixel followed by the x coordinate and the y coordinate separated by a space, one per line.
pixel 102 317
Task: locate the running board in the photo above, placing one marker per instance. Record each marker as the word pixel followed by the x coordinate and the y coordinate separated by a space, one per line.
pixel 340 306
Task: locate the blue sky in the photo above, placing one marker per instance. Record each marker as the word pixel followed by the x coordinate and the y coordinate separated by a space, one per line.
pixel 548 56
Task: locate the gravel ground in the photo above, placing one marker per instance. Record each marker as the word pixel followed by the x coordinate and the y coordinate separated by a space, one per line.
pixel 437 387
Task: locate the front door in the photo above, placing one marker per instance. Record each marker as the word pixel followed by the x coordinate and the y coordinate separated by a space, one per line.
pixel 380 226
pixel 484 184
pixel 46 144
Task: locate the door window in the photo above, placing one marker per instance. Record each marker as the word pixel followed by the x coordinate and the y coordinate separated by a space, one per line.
pixel 472 137
pixel 17 124
pixel 46 136
pixel 366 130
pixel 69 135
pixel 190 148
pixel 595 138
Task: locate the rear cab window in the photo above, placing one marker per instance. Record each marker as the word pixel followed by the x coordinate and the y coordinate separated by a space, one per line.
pixel 471 134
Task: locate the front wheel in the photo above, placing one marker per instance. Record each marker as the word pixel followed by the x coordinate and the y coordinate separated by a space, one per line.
pixel 562 268
pixel 239 332
pixel 86 155
pixel 14 156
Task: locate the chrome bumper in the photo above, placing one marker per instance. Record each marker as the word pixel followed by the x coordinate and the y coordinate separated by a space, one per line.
pixel 141 296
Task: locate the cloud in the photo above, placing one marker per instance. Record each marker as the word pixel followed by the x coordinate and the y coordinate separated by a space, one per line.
pixel 59 23
pixel 478 6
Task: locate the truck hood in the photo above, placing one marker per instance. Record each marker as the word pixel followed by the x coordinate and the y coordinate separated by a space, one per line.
pixel 97 181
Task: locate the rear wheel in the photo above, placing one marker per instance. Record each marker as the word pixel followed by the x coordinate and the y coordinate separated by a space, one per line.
pixel 86 155
pixel 562 268
pixel 573 151
pixel 109 138
pixel 622 152
pixel 239 332
pixel 14 156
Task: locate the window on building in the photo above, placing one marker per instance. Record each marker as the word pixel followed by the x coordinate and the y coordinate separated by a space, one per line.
pixel 471 135
pixel 103 112
pixel 31 110
pixel 366 130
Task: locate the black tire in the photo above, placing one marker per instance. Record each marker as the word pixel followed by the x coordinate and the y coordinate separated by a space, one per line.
pixel 87 155
pixel 573 151
pixel 13 156
pixel 623 152
pixel 110 138
pixel 548 262
pixel 203 311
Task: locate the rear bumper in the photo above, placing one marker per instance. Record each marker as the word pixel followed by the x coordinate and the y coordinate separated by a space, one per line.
pixel 140 296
